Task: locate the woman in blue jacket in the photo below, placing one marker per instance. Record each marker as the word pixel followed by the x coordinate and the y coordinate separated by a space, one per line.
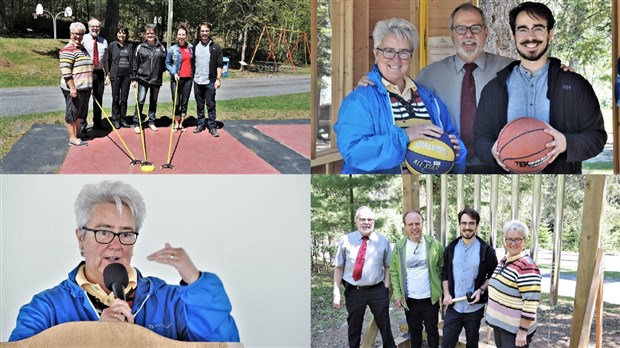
pixel 179 65
pixel 196 310
pixel 376 123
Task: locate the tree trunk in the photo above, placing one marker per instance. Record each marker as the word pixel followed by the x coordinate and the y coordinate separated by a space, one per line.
pixel 4 29
pixel 244 45
pixel 111 20
pixel 500 40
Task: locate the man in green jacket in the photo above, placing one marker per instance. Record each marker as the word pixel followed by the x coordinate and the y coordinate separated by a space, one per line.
pixel 415 269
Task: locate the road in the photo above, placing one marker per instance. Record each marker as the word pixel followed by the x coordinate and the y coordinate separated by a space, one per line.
pixel 29 100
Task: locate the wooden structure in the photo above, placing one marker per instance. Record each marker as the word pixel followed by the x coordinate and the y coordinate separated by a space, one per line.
pixel 281 40
pixel 351 52
pixel 107 334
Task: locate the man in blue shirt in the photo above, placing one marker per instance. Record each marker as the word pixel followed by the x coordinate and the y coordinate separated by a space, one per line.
pixel 468 264
pixel 537 87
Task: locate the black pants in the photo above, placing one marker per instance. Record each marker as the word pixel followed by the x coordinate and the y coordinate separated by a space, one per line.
pixel 377 298
pixel 505 339
pixel 423 311
pixel 454 322
pixel 120 93
pixel 142 90
pixel 98 87
pixel 205 94
pixel 185 87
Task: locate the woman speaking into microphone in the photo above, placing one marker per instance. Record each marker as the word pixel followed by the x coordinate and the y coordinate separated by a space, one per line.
pixel 109 216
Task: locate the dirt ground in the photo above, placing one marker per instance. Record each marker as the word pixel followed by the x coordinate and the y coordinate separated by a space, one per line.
pixel 329 326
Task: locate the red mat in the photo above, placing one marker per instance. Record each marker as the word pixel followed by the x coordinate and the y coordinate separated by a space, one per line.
pixel 196 154
pixel 295 137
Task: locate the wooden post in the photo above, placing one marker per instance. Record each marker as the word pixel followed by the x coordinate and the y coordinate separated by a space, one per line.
pixel 557 239
pixel 493 217
pixel 536 199
pixel 477 199
pixel 615 51
pixel 514 209
pixel 593 200
pixel 599 311
pixel 580 331
pixel 429 204
pixel 411 192
pixel 460 199
pixel 314 95
pixel 444 210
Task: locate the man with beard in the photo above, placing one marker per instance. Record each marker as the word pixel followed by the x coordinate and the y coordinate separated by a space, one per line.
pixel 471 64
pixel 469 262
pixel 97 48
pixel 362 266
pixel 415 269
pixel 537 87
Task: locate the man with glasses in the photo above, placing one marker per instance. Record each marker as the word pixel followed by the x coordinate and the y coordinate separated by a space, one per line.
pixel 97 48
pixel 208 63
pixel 469 262
pixel 109 216
pixel 537 87
pixel 362 265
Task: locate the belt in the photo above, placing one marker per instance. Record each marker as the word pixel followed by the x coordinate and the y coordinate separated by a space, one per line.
pixel 348 285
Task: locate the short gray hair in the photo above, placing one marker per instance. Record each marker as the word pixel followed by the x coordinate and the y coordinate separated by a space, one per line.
pixel 149 26
pixel 516 225
pixel 401 28
pixel 359 211
pixel 113 192
pixel 78 26
pixel 466 7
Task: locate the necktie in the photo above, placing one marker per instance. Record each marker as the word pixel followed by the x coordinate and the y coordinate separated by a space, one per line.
pixel 468 108
pixel 95 54
pixel 359 261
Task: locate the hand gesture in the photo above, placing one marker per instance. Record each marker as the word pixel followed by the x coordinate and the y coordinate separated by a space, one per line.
pixel 178 258
pixel 447 299
pixel 364 82
pixel 119 311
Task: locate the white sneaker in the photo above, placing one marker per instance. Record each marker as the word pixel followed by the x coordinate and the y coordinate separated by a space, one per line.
pixel 136 129
pixel 152 127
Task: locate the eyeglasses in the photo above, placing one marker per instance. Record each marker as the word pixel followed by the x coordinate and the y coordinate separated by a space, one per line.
pixel 106 237
pixel 461 29
pixel 537 30
pixel 78 34
pixel 205 31
pixel 389 53
pixel 470 223
pixel 366 219
pixel 513 241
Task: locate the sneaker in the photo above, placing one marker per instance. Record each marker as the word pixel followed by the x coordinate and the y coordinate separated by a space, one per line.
pixel 214 132
pixel 78 142
pixel 136 129
pixel 199 129
pixel 153 127
pixel 116 124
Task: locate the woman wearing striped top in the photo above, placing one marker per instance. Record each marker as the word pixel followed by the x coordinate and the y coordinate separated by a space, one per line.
pixel 76 82
pixel 514 291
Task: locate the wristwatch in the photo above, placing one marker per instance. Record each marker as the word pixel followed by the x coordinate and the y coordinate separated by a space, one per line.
pixel 481 291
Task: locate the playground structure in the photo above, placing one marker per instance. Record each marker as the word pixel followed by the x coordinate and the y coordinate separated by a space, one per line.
pixel 589 280
pixel 284 36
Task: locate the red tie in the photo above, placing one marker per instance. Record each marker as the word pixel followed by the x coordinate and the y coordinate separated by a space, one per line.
pixel 359 262
pixel 95 54
pixel 468 109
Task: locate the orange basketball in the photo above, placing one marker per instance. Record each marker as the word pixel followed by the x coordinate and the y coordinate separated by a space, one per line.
pixel 521 145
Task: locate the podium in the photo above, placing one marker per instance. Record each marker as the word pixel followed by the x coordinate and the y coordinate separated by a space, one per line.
pixel 107 334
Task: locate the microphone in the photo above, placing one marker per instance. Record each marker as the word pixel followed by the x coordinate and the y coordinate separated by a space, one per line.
pixel 116 279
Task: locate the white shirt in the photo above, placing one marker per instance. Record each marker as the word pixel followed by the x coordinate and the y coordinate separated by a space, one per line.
pixel 418 279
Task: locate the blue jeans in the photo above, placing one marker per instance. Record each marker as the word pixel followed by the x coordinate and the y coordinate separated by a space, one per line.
pixel 423 311
pixel 454 323
pixel 142 89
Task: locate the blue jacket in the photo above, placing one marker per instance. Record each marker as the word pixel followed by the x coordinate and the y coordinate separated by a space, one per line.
pixel 196 312
pixel 367 137
pixel 173 59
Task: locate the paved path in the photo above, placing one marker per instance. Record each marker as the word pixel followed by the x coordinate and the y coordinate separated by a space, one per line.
pixel 29 100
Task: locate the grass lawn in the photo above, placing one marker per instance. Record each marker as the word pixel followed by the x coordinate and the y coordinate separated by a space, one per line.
pixel 34 62
pixel 293 106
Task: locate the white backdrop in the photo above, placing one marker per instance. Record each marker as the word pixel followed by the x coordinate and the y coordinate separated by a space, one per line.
pixel 252 231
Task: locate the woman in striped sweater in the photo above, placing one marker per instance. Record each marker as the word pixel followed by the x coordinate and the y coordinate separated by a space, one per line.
pixel 514 291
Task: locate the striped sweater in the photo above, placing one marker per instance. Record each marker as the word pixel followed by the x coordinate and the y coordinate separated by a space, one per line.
pixel 514 293
pixel 76 64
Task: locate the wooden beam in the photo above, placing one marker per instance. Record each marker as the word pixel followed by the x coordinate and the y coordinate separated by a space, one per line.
pixel 615 52
pixel 493 211
pixel 560 183
pixel 314 78
pixel 477 194
pixel 460 194
pixel 599 311
pixel 588 311
pixel 429 204
pixel 536 200
pixel 593 204
pixel 444 210
pixel 514 212
pixel 411 192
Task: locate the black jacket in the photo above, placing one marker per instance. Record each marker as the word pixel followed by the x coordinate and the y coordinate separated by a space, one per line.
pixel 217 59
pixel 488 262
pixel 114 55
pixel 574 111
pixel 149 63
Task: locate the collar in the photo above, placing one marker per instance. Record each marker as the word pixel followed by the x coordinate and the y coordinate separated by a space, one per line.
pixel 98 292
pixel 481 62
pixel 541 71
pixel 371 236
pixel 508 259
pixel 409 85
pixel 205 44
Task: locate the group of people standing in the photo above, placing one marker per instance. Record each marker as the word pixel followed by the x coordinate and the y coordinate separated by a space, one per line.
pixel 470 96
pixel 88 63
pixel 464 276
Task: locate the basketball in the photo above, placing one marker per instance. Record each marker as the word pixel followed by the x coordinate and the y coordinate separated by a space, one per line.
pixel 521 145
pixel 434 156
